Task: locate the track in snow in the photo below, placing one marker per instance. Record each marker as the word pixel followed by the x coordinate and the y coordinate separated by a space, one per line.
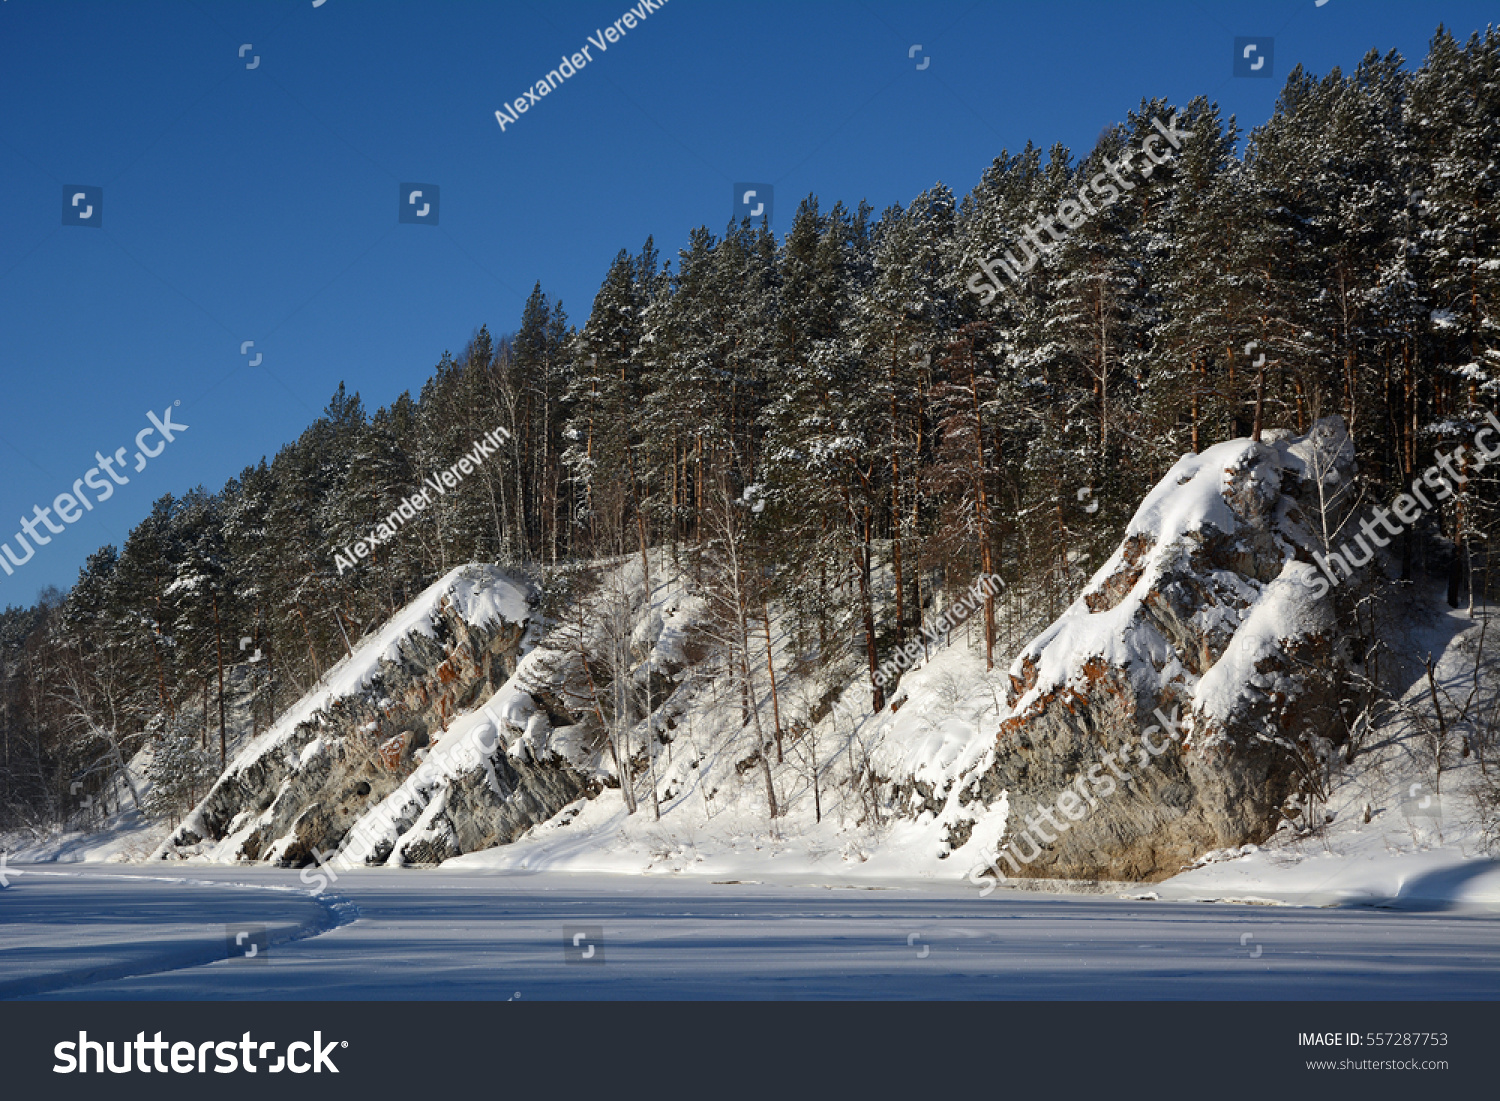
pixel 461 935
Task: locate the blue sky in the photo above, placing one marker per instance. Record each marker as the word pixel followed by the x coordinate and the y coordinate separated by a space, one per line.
pixel 257 200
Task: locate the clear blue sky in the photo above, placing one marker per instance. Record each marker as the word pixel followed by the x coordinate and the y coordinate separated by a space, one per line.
pixel 260 203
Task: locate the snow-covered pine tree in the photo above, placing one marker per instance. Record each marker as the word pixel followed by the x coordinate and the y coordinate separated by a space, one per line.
pixel 180 773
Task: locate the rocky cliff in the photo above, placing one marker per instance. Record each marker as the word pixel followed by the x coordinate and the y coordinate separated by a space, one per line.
pixel 1169 710
pixel 372 725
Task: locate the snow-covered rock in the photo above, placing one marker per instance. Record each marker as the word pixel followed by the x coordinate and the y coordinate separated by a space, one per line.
pixel 1208 616
pixel 385 720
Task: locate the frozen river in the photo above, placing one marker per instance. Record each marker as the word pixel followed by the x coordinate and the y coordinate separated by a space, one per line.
pixel 168 933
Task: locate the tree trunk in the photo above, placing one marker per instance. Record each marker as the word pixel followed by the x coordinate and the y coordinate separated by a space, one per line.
pixel 982 517
pixel 896 504
pixel 765 612
pixel 219 647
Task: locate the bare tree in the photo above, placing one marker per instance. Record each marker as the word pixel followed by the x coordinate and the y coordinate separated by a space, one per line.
pixel 92 694
pixel 733 589
pixel 613 623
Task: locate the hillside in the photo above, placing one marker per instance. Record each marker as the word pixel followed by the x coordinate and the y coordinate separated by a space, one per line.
pixel 468 732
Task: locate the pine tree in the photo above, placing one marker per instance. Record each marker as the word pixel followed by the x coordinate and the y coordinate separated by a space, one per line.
pixel 180 773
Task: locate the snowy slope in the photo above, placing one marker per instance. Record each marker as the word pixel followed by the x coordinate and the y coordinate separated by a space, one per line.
pixel 1189 505
pixel 1408 855
pixel 896 795
pixel 938 733
pixel 480 595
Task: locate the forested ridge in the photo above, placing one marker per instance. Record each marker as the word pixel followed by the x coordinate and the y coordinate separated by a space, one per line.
pixel 835 416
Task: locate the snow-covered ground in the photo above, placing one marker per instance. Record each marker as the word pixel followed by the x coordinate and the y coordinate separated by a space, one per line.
pixel 57 930
pixel 1391 894
pixel 126 837
pixel 714 825
pixel 442 934
pixel 1423 844
pixel 713 821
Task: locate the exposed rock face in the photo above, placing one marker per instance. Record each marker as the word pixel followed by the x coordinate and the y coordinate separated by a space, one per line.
pixel 1207 612
pixel 498 771
pixel 539 743
pixel 296 791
